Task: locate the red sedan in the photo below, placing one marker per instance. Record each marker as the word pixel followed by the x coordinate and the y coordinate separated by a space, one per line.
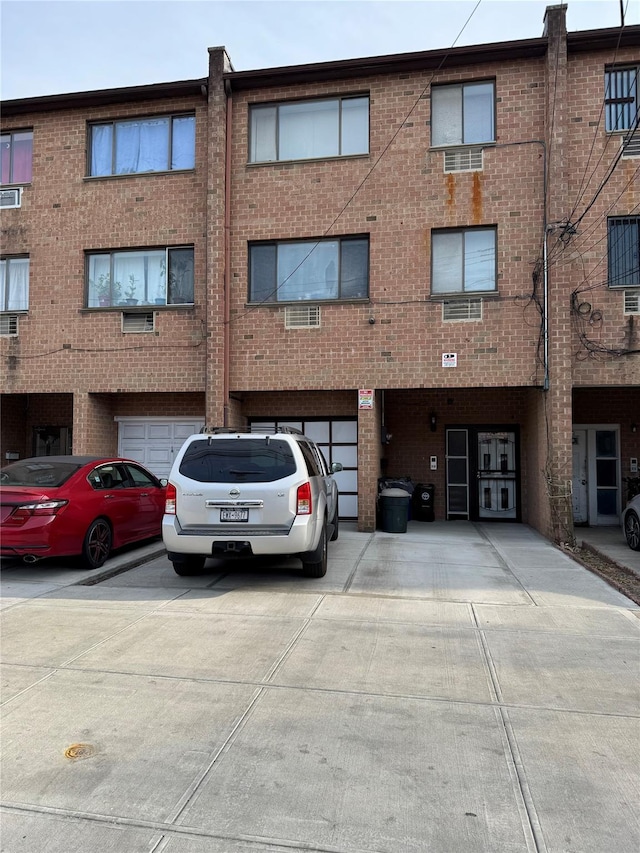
pixel 61 506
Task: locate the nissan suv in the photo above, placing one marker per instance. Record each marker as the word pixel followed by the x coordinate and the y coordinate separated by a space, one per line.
pixel 242 493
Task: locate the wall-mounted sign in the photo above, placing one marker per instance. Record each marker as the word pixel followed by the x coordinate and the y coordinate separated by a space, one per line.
pixel 365 398
pixel 449 359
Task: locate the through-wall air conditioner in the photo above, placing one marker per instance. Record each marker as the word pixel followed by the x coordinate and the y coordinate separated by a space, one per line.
pixel 11 198
pixel 463 160
pixel 631 145
pixel 632 302
pixel 302 317
pixel 9 324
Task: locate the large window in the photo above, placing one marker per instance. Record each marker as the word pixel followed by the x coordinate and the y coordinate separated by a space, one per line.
pixel 309 271
pixel 304 130
pixel 463 114
pixel 463 261
pixel 621 99
pixel 140 277
pixel 624 251
pixel 157 144
pixel 14 284
pixel 16 152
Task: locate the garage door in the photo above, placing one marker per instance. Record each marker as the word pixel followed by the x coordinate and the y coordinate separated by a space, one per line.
pixel 338 440
pixel 154 442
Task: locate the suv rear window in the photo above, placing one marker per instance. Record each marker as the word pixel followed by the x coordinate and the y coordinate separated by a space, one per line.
pixel 238 460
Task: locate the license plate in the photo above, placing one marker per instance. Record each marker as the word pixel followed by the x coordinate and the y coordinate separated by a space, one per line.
pixel 234 515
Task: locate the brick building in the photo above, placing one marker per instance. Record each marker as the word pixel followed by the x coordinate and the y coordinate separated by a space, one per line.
pixel 454 232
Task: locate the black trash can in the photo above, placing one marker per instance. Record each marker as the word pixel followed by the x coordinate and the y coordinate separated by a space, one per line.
pixel 422 502
pixel 394 510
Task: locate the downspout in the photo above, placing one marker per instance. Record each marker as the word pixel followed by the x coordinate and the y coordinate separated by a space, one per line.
pixel 545 309
pixel 226 355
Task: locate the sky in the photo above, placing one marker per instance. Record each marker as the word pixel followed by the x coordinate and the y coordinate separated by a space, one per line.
pixel 56 47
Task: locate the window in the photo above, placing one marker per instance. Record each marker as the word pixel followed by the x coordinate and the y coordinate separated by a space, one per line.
pixel 14 284
pixel 621 99
pixel 463 114
pixel 140 277
pixel 157 144
pixel 463 261
pixel 310 271
pixel 16 157
pixel 624 251
pixel 309 129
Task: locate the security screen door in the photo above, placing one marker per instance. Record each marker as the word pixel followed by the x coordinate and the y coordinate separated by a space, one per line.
pixel 482 473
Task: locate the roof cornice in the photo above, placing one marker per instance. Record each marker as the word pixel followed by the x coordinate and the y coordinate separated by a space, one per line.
pixel 102 97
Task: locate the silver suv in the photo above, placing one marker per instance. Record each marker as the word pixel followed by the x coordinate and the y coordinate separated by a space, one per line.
pixel 242 493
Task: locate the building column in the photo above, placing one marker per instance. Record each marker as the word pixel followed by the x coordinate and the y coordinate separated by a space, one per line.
pixel 556 408
pixel 369 449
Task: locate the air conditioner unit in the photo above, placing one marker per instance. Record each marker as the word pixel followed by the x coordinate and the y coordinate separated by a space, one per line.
pixel 302 317
pixel 463 160
pixel 11 198
pixel 632 302
pixel 9 324
pixel 137 323
pixel 631 145
pixel 462 309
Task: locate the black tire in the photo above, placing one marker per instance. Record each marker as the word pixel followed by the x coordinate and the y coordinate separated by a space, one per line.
pixel 336 525
pixel 632 530
pixel 314 563
pixel 96 547
pixel 191 565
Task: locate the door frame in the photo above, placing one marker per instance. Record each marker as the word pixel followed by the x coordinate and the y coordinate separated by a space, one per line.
pixel 593 519
pixel 473 498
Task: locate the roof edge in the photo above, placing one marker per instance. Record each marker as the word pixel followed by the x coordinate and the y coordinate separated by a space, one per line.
pixel 101 97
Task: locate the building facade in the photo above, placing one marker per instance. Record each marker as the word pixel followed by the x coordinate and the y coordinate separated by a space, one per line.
pixel 428 262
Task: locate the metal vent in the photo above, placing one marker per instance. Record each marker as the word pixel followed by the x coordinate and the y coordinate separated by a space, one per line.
pixel 11 198
pixel 632 302
pixel 462 309
pixel 8 324
pixel 302 317
pixel 631 145
pixel 463 160
pixel 136 323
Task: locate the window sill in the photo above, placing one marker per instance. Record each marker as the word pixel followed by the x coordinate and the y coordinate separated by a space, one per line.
pixel 365 300
pixel 90 178
pixel 453 145
pixel 472 294
pixel 250 164
pixel 134 309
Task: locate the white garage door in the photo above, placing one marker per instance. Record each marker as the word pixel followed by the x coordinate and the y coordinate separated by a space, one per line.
pixel 154 442
pixel 338 440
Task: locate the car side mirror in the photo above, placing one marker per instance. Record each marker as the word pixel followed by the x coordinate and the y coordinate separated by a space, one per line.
pixel 164 482
pixel 335 467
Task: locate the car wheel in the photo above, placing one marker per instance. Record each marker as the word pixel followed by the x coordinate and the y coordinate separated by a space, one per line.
pixel 97 544
pixel 189 566
pixel 336 523
pixel 632 530
pixel 314 563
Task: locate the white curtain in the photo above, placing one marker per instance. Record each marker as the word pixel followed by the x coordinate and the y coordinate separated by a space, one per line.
pixel 183 148
pixel 263 135
pixel 14 284
pixel 101 149
pixel 308 129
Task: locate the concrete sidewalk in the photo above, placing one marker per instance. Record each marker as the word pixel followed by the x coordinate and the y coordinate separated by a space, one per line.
pixel 459 688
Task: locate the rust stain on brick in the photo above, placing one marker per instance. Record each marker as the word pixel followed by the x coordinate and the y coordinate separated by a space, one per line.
pixel 451 189
pixel 476 199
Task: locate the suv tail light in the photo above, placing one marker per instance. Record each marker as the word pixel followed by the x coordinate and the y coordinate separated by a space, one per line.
pixel 304 500
pixel 170 500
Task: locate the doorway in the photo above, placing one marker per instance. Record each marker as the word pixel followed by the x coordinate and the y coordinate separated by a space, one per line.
pixel 596 474
pixel 482 470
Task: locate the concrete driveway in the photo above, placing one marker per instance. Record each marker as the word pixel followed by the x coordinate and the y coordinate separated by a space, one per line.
pixel 459 688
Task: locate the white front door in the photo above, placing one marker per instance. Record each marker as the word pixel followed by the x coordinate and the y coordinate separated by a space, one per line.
pixel 601 471
pixel 155 442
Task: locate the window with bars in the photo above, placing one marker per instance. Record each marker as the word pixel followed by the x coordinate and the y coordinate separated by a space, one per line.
pixel 623 251
pixel 621 98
